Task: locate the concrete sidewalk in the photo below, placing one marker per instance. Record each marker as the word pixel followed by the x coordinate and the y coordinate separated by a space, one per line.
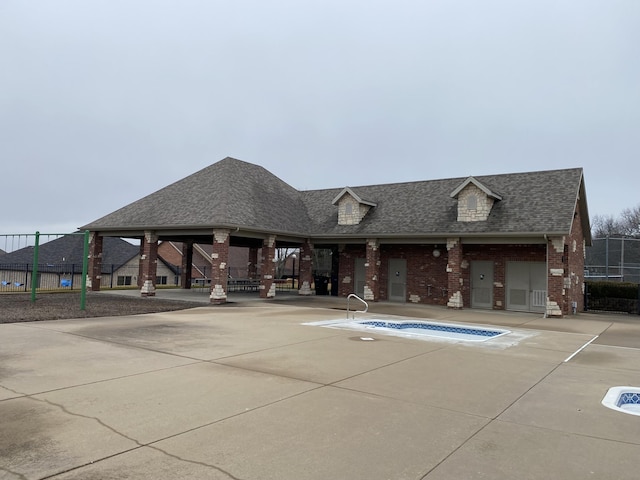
pixel 245 391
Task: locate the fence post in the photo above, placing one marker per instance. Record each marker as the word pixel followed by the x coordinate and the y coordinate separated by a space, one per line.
pixel 85 271
pixel 34 270
pixel 586 297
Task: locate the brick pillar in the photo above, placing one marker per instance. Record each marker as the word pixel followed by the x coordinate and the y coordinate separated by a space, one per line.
pixel 306 268
pixel 140 279
pixel 346 279
pixel 268 268
pixel 372 271
pixel 252 267
pixel 94 274
pixel 187 264
pixel 454 273
pixel 335 272
pixel 149 264
pixel 220 266
pixel 555 277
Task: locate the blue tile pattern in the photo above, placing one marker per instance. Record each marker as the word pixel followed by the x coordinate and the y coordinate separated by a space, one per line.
pixel 434 326
pixel 628 397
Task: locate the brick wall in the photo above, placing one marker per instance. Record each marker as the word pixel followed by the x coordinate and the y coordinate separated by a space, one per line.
pixel 575 264
pixel 426 273
pixel 346 269
pixel 427 276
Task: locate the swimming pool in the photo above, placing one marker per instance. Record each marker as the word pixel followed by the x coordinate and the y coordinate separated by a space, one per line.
pixel 419 328
pixel 623 399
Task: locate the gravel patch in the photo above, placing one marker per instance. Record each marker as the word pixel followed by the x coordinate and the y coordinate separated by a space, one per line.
pixel 17 307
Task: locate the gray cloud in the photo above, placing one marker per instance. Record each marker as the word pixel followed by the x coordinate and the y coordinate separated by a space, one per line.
pixel 103 102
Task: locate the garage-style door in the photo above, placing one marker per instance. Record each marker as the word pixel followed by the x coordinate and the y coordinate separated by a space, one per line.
pixel 526 286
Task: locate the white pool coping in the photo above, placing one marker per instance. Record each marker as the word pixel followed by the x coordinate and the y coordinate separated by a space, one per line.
pixel 612 398
pixel 417 333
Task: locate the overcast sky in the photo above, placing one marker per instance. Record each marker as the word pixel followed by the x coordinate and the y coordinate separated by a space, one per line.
pixel 104 102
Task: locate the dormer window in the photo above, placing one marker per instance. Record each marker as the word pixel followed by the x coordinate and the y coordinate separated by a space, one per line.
pixel 351 208
pixel 472 202
pixel 475 200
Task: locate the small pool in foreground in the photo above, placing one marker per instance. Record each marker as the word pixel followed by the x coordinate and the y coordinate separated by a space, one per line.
pixel 623 399
pixel 419 328
pixel 433 329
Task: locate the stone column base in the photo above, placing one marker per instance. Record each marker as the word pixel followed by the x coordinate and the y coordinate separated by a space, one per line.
pixel 148 290
pixel 218 295
pixel 553 309
pixel 455 301
pixel 305 289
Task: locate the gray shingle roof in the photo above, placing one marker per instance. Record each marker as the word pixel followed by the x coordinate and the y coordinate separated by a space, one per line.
pixel 233 193
pixel 536 202
pixel 227 193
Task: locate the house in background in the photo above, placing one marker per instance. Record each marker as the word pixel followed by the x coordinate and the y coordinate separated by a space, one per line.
pixel 60 265
pixel 172 254
pixel 509 241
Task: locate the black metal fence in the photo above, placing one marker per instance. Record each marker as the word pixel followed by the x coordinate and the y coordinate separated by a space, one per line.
pixel 17 277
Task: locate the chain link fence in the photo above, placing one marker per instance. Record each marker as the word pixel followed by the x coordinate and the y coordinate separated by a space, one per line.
pixel 613 259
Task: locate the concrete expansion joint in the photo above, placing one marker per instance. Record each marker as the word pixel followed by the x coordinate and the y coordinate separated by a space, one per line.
pixel 87 417
pixel 11 472
pixel 112 429
pixel 194 462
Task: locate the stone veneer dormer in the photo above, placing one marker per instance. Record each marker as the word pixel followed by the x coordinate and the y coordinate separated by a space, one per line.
pixel 475 200
pixel 351 208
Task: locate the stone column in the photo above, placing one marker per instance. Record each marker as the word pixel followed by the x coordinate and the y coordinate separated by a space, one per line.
pixel 149 264
pixel 94 274
pixel 454 274
pixel 187 264
pixel 252 267
pixel 306 268
pixel 372 271
pixel 220 266
pixel 268 268
pixel 555 277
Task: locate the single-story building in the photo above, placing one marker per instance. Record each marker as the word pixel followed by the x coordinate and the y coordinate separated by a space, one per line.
pixel 509 241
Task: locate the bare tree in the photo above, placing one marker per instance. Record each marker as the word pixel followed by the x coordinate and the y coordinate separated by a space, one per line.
pixel 630 221
pixel 627 224
pixel 283 255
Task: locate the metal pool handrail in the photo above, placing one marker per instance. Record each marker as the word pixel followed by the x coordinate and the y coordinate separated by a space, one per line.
pixel 366 305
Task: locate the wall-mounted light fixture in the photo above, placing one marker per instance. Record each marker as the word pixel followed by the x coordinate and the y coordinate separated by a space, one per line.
pixel 436 252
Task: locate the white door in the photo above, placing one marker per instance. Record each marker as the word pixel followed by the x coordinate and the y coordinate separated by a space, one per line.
pixel 397 280
pixel 481 284
pixel 526 286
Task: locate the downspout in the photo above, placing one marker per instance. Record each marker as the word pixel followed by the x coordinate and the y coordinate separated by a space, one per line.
pixel 546 259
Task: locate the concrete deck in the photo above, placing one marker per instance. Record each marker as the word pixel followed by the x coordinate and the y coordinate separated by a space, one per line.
pixel 245 391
